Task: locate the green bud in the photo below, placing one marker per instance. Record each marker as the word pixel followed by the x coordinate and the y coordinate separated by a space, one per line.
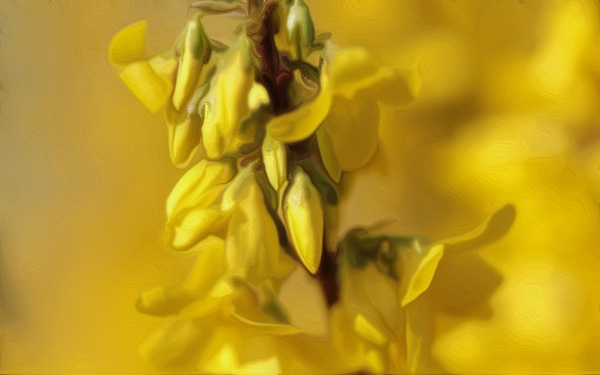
pixel 300 28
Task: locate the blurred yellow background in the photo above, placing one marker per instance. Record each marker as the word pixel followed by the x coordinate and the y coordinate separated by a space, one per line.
pixel 508 114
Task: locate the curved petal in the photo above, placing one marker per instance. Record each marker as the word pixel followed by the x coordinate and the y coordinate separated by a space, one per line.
pixel 352 127
pixel 330 161
pixel 129 44
pixel 228 123
pixel 418 276
pixel 184 129
pixel 184 140
pixel 303 121
pixel 252 247
pixel 396 86
pixel 176 343
pixel 193 225
pixel 352 69
pixel 166 300
pixel 199 186
pixel 209 266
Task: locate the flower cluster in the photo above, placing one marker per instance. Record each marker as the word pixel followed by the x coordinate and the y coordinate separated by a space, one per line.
pixel 273 114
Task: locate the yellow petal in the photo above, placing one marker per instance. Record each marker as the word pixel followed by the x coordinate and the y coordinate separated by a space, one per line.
pixel 250 309
pixel 417 278
pixel 163 64
pixel 150 88
pixel 252 247
pixel 193 225
pixel 129 44
pixel 174 344
pixel 303 213
pixel 238 188
pixel 328 157
pixel 352 69
pixel 184 140
pixel 371 293
pixel 193 56
pixel 352 128
pixel 275 160
pixel 367 331
pixel 228 124
pixel 494 227
pixel 199 186
pixel 258 96
pixel 302 122
pixel 184 129
pixel 301 297
pixel 396 86
pixel 165 300
pixel 209 266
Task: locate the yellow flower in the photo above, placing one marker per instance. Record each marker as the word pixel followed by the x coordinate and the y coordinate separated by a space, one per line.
pixel 252 242
pixel 229 125
pixel 344 113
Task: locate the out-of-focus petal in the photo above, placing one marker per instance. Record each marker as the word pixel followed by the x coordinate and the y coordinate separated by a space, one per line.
pixel 174 344
pixel 352 129
pixel 301 296
pixel 209 266
pixel 165 300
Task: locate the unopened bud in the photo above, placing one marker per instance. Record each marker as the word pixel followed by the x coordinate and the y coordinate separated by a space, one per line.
pixel 303 213
pixel 274 158
pixel 195 49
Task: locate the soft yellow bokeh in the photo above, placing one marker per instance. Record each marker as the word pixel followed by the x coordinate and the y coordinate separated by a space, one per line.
pixel 507 113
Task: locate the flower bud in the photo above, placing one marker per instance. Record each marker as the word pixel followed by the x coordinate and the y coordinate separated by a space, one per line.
pixel 229 124
pixel 303 214
pixel 300 28
pixel 183 128
pixel 193 55
pixel 274 158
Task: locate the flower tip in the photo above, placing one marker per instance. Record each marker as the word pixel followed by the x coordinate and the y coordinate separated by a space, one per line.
pixel 128 44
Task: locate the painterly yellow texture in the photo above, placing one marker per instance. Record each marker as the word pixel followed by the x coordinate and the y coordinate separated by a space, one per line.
pixel 507 113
